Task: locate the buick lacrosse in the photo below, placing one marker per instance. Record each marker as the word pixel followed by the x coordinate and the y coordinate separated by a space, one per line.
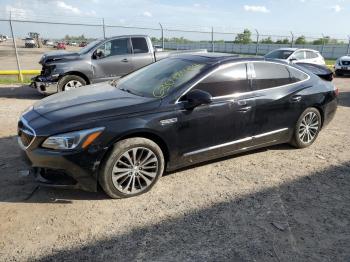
pixel 177 112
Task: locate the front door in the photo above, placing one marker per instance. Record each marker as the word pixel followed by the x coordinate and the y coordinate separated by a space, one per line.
pixel 222 126
pixel 112 60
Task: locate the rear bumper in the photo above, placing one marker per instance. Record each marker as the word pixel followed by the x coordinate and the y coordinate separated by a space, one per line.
pixel 64 170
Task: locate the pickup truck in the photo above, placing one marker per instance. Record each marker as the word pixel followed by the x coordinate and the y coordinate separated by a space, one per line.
pixel 101 60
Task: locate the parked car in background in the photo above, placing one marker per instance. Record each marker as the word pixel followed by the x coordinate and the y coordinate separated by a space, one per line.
pixel 50 43
pixel 296 55
pixel 99 61
pixel 61 45
pixel 29 42
pixel 82 44
pixel 342 66
pixel 173 113
pixel 73 44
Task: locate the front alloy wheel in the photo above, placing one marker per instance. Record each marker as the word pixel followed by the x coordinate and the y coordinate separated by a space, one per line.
pixel 135 170
pixel 132 168
pixel 307 128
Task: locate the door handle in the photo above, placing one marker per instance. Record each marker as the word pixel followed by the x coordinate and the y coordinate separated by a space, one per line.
pixel 125 60
pixel 296 98
pixel 245 109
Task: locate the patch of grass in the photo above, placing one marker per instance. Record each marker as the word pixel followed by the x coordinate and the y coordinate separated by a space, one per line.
pixel 3 80
pixel 330 61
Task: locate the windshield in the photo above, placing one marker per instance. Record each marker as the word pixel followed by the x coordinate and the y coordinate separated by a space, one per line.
pixel 89 46
pixel 279 54
pixel 158 79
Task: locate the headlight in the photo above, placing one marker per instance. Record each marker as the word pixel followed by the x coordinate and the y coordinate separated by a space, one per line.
pixel 72 140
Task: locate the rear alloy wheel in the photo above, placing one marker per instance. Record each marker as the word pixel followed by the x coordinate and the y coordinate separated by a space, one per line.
pixel 133 167
pixel 307 128
pixel 70 82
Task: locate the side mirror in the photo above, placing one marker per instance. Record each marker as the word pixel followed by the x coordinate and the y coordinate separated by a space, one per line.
pixel 196 98
pixel 97 54
pixel 293 59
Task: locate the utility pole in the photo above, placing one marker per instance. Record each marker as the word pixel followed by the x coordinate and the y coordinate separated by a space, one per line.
pixel 20 76
pixel 212 39
pixel 257 42
pixel 104 28
pixel 348 51
pixel 323 44
pixel 292 43
pixel 162 31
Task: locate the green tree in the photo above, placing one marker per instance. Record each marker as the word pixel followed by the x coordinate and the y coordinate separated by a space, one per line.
pixel 244 38
pixel 300 40
pixel 283 41
pixel 266 41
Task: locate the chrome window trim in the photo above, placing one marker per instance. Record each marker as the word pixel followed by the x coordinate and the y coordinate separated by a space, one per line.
pixel 250 138
pixel 25 123
pixel 250 74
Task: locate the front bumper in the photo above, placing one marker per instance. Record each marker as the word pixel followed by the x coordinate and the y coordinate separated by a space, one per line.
pixel 78 169
pixel 45 85
pixel 342 69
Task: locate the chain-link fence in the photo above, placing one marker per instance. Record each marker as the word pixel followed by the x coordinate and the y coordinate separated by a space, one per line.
pixel 31 38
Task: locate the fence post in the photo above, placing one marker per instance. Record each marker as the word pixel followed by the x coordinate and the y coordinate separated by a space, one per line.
pixel 292 43
pixel 161 28
pixel 348 51
pixel 323 44
pixel 20 76
pixel 257 42
pixel 104 28
pixel 212 39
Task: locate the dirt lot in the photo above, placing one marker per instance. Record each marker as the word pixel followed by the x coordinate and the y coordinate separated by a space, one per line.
pixel 278 204
pixel 28 57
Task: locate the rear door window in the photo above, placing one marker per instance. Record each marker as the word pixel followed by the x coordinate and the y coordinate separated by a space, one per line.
pixel 299 55
pixel 310 55
pixel 139 45
pixel 269 75
pixel 226 81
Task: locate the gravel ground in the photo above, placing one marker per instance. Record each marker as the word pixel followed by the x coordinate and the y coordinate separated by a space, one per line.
pixel 275 204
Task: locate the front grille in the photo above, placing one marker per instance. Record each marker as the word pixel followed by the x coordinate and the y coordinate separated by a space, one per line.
pixel 25 133
pixel 346 63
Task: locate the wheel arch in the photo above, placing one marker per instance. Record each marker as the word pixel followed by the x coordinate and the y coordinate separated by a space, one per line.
pixel 143 134
pixel 320 109
pixel 80 74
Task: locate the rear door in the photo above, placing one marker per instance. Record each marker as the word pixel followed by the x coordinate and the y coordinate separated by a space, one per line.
pixel 112 60
pixel 279 100
pixel 299 55
pixel 142 54
pixel 223 126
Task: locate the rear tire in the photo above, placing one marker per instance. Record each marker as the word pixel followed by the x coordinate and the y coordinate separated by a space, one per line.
pixel 70 82
pixel 132 168
pixel 307 128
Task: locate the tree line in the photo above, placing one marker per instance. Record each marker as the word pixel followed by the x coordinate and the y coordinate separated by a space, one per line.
pixel 246 38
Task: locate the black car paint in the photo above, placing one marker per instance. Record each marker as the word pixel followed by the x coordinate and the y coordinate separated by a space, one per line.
pixel 126 115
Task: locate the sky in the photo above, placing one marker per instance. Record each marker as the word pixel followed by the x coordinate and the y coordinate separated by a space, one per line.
pixel 278 17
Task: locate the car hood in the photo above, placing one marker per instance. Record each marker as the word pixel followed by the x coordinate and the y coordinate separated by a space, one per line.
pixel 60 56
pixel 345 58
pixel 91 103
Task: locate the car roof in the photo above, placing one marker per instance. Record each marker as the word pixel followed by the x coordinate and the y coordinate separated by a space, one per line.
pixel 221 58
pixel 295 49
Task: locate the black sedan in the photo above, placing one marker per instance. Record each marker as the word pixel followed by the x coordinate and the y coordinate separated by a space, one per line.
pixel 124 135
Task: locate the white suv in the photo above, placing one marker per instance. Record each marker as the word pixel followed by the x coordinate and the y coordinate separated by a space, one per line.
pixel 342 65
pixel 297 55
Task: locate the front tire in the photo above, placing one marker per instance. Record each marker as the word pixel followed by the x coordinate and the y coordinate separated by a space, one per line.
pixel 132 168
pixel 307 128
pixel 70 82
